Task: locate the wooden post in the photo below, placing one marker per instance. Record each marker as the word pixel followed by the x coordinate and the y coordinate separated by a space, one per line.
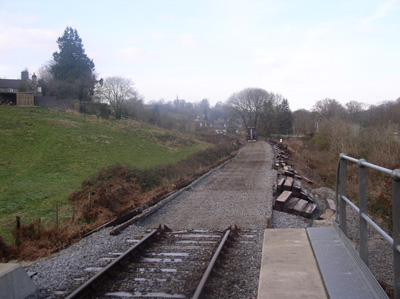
pixel 89 203
pixel 39 227
pixel 18 239
pixel 57 216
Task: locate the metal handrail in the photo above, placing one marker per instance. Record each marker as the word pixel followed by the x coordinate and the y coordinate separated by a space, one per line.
pixel 342 200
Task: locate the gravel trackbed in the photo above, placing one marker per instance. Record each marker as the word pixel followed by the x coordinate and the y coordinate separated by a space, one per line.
pixel 240 193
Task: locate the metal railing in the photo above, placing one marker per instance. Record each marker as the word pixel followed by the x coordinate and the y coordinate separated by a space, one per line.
pixel 342 201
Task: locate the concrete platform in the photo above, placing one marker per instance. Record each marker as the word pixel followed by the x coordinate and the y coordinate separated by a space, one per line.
pixel 288 267
pixel 15 282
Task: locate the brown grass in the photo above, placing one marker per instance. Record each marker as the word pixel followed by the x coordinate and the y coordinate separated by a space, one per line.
pixel 375 144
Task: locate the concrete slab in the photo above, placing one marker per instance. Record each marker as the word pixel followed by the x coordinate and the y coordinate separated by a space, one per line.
pixel 288 267
pixel 15 282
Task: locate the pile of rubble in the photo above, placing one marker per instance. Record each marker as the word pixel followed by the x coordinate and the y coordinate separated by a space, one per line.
pixel 291 196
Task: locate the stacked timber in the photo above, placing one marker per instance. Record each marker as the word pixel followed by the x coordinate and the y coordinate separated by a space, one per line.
pixel 282 164
pixel 292 196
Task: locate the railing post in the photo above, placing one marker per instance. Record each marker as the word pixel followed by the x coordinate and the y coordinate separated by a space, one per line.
pixel 362 191
pixel 342 203
pixel 396 230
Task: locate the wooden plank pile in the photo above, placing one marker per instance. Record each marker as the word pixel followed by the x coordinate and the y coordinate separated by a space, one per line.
pixel 292 196
pixel 330 210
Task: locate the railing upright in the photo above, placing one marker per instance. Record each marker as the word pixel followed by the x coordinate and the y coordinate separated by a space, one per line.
pixel 362 192
pixel 396 229
pixel 342 201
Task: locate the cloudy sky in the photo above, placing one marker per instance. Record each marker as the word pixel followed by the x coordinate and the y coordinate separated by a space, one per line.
pixel 304 50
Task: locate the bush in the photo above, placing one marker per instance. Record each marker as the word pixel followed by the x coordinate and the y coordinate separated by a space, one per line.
pixel 118 113
pixel 104 111
pixel 305 138
pixel 6 251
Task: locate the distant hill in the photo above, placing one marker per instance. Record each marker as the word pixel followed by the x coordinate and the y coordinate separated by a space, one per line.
pixel 46 154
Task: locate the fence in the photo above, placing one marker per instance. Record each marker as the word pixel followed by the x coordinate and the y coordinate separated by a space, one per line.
pixel 61 215
pixel 342 201
pixel 25 99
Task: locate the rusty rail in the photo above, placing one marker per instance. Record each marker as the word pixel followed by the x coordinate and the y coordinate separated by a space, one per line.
pixel 89 286
pixel 210 267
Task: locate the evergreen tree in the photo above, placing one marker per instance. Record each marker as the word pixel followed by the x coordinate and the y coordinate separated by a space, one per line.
pixel 284 117
pixel 72 69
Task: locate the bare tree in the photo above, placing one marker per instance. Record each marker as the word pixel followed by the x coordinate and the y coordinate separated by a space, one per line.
pixel 354 109
pixel 117 91
pixel 249 103
pixel 330 108
pixel 304 121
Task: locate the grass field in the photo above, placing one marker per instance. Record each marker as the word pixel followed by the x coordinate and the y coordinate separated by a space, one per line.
pixel 46 154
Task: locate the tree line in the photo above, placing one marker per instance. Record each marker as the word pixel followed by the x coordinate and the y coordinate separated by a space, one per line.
pixel 357 113
pixel 71 75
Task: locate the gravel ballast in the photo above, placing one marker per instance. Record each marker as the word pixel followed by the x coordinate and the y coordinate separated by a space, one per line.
pixel 61 273
pixel 239 193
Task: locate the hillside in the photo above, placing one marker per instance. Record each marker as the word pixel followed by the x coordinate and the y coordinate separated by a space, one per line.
pixel 45 155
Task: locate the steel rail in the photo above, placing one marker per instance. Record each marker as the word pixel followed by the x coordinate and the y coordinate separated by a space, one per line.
pixel 388 238
pixel 88 286
pixel 369 165
pixel 210 267
pixel 351 204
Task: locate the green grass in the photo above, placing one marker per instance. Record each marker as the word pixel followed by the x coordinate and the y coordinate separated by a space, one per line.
pixel 46 154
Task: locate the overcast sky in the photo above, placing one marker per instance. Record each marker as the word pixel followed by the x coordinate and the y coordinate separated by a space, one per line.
pixel 304 50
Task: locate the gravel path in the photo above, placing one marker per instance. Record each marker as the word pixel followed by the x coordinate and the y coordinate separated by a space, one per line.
pixel 240 193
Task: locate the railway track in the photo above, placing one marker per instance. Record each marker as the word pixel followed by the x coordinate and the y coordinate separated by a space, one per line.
pixel 163 264
pixel 171 264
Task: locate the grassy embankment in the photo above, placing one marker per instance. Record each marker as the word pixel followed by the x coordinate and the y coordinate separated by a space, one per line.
pixel 45 155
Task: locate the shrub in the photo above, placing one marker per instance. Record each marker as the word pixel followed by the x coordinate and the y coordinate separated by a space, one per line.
pixel 305 138
pixel 104 111
pixel 6 251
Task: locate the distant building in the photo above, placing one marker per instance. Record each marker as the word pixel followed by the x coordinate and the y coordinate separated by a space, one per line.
pixel 19 91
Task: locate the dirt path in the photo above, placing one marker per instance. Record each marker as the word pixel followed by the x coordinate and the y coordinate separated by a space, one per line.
pixel 239 193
